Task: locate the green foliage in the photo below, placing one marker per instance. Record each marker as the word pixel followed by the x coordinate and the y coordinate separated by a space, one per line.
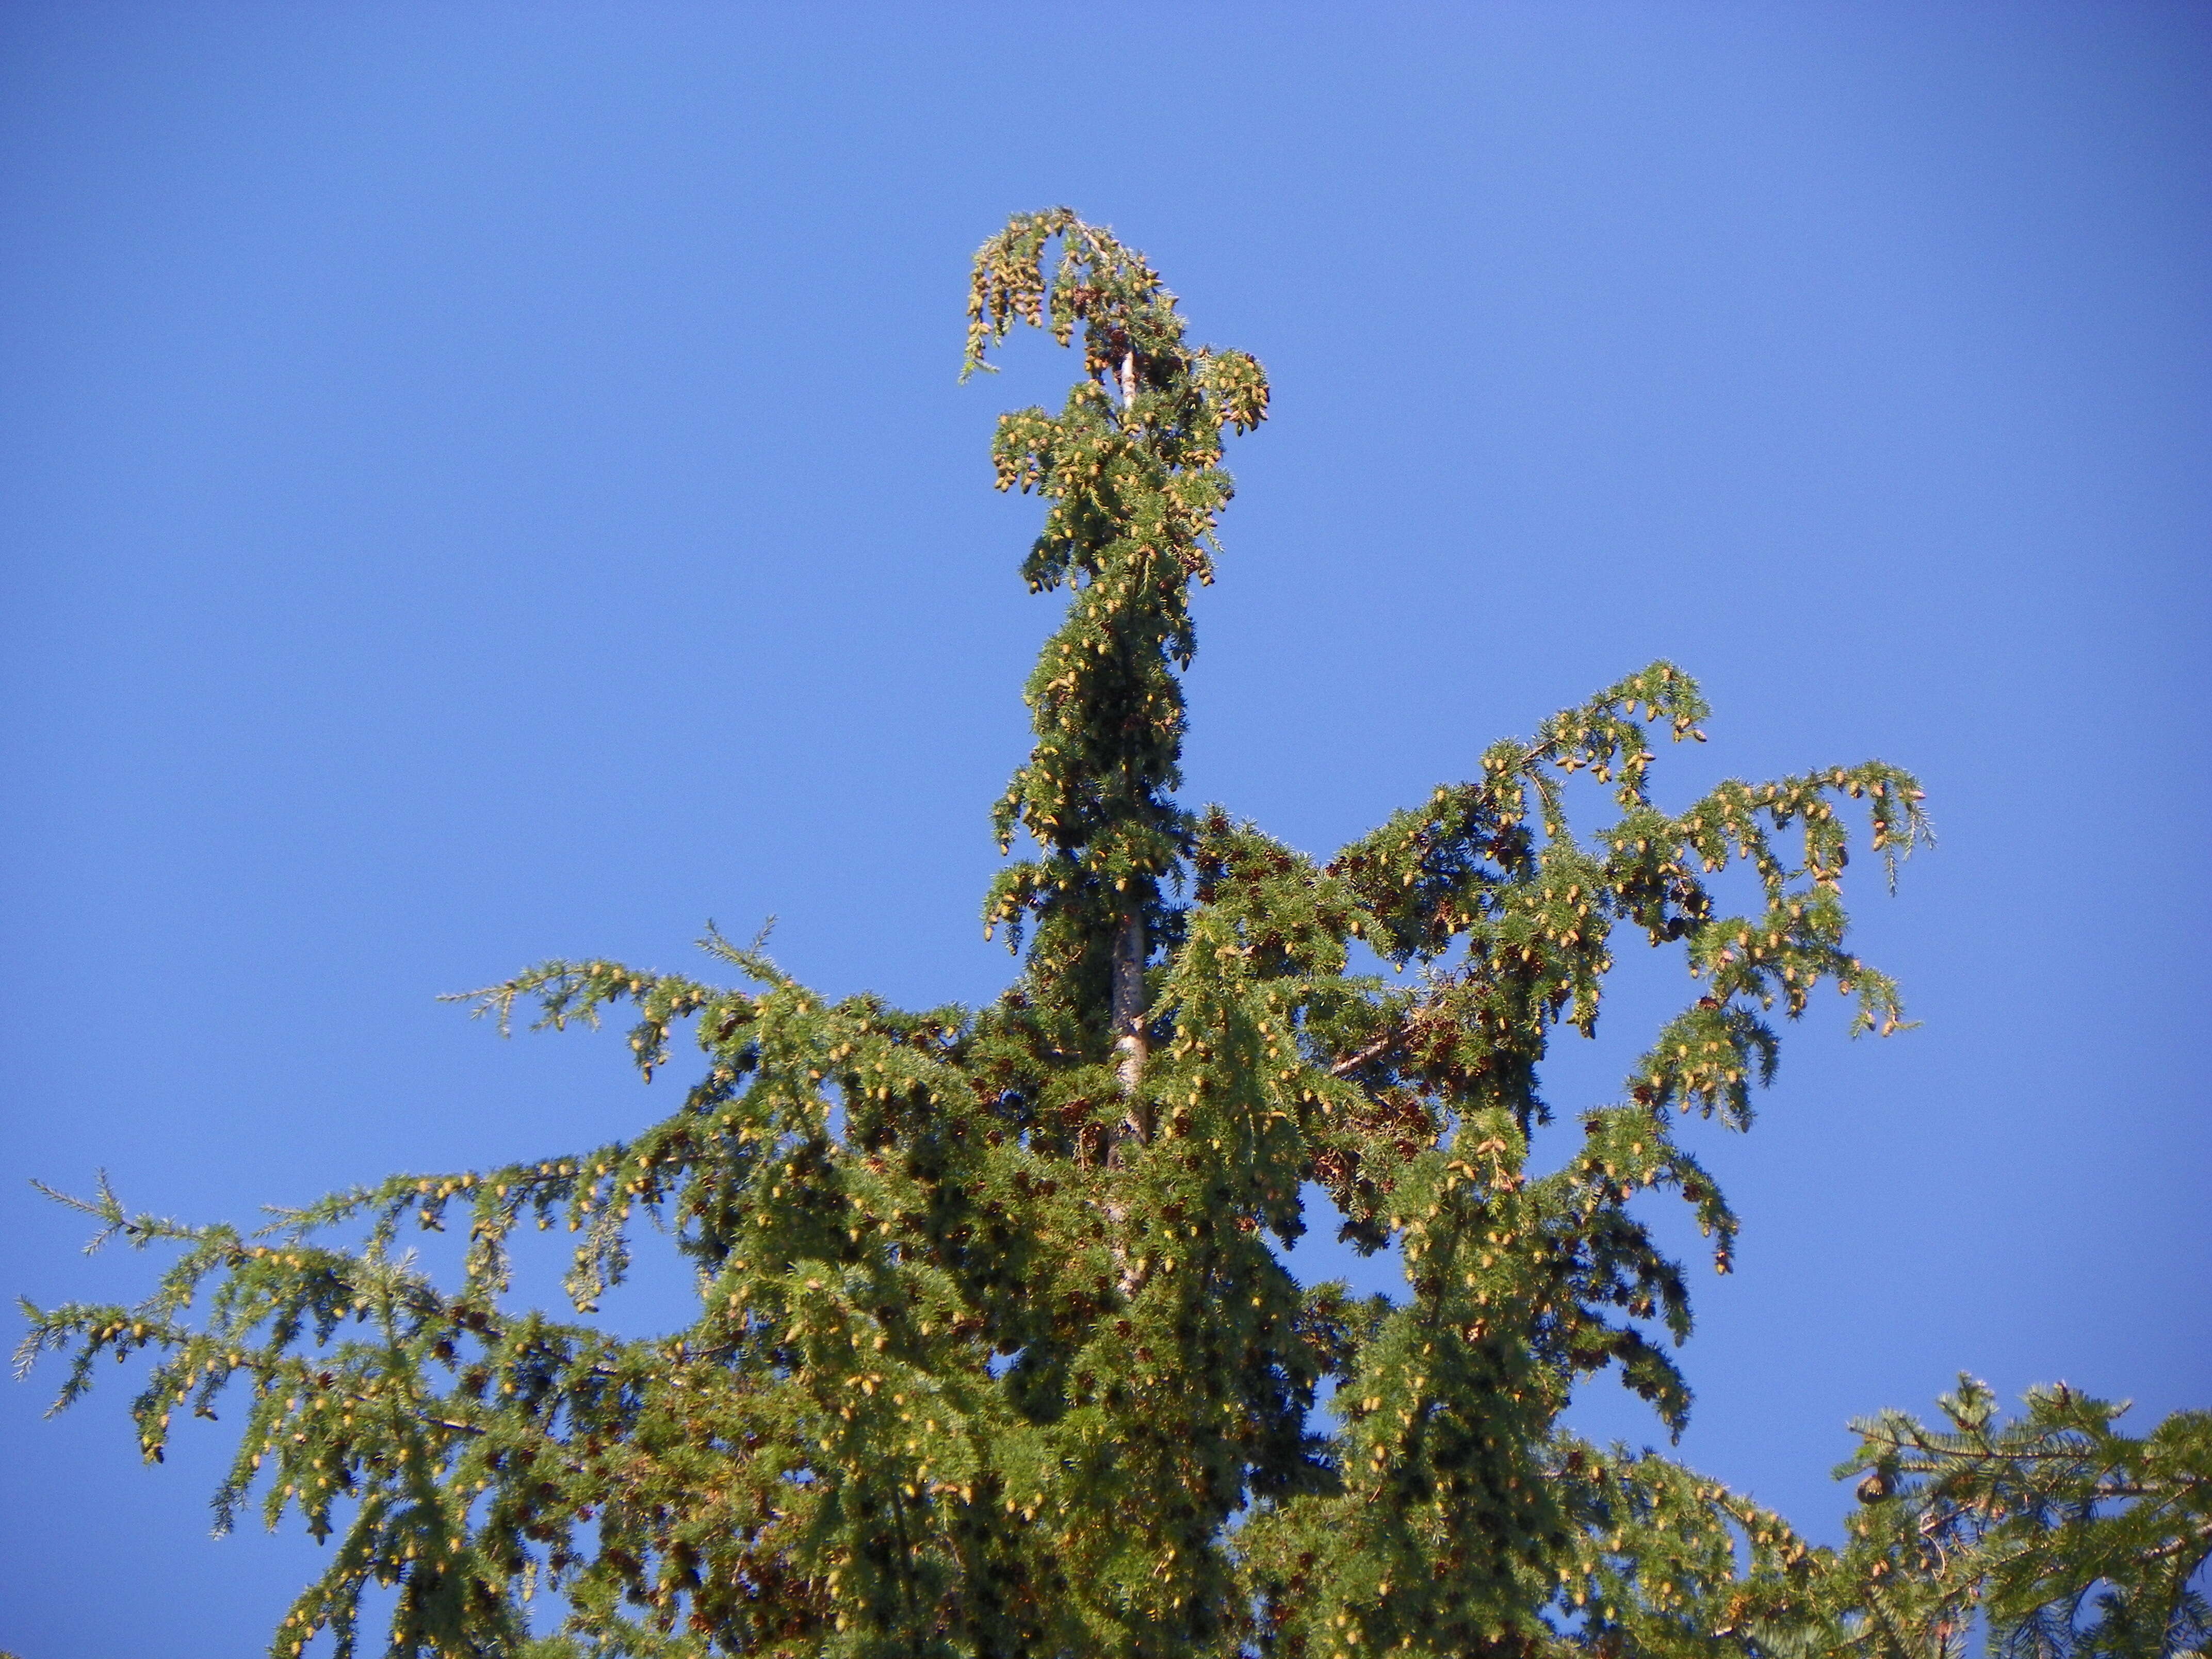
pixel 2067 1537
pixel 993 1352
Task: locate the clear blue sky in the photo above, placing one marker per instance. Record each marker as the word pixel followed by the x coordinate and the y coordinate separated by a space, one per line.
pixel 478 484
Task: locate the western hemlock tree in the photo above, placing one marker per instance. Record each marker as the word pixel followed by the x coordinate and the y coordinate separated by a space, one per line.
pixel 993 1353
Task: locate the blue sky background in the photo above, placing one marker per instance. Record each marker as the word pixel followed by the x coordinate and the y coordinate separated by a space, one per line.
pixel 483 485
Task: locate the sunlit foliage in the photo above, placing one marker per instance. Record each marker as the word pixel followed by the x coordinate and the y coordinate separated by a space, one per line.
pixel 993 1352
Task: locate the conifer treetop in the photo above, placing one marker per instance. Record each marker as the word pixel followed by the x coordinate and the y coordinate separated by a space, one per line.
pixel 1130 471
pixel 993 1352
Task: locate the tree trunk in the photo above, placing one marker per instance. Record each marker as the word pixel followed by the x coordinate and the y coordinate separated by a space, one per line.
pixel 1129 953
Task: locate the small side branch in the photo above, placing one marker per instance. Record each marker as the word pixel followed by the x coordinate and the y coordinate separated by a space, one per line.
pixel 1373 1051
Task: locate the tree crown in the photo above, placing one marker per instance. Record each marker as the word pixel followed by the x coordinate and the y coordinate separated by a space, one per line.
pixel 993 1353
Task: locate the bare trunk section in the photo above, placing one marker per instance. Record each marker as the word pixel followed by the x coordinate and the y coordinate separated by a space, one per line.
pixel 1129 953
pixel 1130 1045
